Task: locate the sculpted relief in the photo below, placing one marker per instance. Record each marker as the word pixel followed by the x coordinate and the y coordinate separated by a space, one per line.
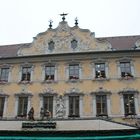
pixel 64 39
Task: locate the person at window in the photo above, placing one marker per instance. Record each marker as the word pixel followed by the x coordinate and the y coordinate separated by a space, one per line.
pixel 31 114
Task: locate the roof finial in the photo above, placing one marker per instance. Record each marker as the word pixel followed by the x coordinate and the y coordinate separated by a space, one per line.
pixel 63 16
pixel 50 25
pixel 76 21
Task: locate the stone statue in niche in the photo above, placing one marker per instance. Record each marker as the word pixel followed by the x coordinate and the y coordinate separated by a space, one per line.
pixel 60 107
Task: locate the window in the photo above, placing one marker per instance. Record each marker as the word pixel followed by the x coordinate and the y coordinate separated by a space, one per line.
pixel 2 100
pixel 4 74
pixel 100 70
pixel 125 69
pixel 22 106
pixel 129 105
pixel 51 46
pixel 26 74
pixel 48 104
pixel 73 44
pixel 74 72
pixel 101 105
pixel 50 73
pixel 73 106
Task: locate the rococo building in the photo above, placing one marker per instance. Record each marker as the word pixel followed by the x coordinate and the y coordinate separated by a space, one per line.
pixel 71 73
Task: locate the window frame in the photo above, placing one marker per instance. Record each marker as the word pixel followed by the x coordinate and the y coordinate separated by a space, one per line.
pixel 51 72
pixel 125 70
pixel 100 72
pixel 5 77
pixel 129 107
pixel 48 103
pixel 2 103
pixel 22 109
pixel 74 106
pixel 74 72
pixel 101 100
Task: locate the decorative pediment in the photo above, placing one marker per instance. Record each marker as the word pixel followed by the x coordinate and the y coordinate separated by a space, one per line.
pixel 48 92
pixel 128 91
pixel 74 91
pixel 24 92
pixel 100 91
pixel 64 39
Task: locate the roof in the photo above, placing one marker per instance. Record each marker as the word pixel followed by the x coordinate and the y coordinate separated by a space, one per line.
pixel 122 42
pixel 11 50
pixel 118 43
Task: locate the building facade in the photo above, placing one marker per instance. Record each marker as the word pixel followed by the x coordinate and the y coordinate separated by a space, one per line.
pixel 71 73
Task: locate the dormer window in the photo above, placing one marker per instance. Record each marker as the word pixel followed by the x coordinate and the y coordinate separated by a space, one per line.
pixel 51 46
pixel 74 44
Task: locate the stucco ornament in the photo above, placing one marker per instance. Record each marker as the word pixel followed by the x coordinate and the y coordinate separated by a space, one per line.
pixel 62 37
pixel 60 107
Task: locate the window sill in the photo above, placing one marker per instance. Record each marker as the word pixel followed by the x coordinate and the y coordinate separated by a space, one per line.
pixel 49 81
pixel 73 80
pixel 25 82
pixel 101 79
pixel 127 78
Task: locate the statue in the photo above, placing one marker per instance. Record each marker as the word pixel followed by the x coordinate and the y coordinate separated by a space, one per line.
pixel 45 113
pixel 31 114
pixel 60 108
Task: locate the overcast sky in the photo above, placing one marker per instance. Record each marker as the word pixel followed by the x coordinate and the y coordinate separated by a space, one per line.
pixel 21 20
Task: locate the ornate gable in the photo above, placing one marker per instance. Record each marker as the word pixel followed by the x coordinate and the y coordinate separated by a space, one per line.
pixel 64 39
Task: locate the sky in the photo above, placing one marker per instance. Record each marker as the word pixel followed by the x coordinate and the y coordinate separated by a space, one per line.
pixel 21 20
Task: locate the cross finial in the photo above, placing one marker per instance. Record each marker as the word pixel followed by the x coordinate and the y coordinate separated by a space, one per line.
pixel 50 25
pixel 63 16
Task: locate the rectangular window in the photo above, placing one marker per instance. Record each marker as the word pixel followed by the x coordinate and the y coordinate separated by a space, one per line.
pixel 101 105
pixel 22 106
pixel 125 69
pixel 129 105
pixel 100 70
pixel 49 72
pixel 73 106
pixel 74 71
pixel 48 104
pixel 26 74
pixel 4 74
pixel 2 100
